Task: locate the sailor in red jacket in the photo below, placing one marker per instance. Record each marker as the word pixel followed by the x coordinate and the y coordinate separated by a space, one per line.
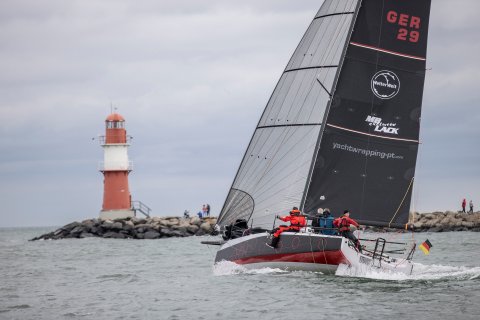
pixel 343 224
pixel 297 221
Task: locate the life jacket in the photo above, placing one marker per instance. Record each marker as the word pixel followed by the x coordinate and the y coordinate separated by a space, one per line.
pixel 344 224
pixel 296 221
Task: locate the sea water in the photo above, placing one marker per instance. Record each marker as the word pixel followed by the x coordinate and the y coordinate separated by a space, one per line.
pixel 175 279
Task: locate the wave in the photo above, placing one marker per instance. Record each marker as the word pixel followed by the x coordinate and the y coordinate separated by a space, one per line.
pixel 226 268
pixel 420 272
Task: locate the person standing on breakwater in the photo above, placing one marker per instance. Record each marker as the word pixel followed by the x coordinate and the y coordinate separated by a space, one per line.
pixel 471 207
pixel 208 210
pixel 464 204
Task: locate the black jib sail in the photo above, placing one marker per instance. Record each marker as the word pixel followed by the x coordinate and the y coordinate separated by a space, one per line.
pixel 341 127
pixel 367 152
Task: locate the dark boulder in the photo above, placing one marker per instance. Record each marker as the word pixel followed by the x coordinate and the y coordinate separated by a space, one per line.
pixel 151 235
pixel 114 235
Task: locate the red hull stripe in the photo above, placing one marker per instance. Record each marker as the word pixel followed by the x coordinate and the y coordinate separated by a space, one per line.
pixel 327 257
pixel 387 51
pixel 371 135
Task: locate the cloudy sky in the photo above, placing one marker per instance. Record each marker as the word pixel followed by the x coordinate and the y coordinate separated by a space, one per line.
pixel 191 77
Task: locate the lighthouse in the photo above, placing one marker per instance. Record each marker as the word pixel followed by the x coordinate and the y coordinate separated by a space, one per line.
pixel 117 201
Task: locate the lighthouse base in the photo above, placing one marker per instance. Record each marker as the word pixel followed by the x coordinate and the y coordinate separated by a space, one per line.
pixel 116 214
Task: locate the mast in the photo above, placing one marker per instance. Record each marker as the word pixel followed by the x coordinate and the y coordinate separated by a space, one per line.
pixel 317 148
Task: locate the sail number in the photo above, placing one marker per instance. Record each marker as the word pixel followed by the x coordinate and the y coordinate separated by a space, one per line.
pixel 409 25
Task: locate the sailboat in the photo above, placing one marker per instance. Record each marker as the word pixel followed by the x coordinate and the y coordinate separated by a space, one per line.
pixel 340 131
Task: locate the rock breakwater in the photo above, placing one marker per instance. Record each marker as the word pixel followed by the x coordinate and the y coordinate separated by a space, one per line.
pixel 447 221
pixel 166 227
pixel 134 228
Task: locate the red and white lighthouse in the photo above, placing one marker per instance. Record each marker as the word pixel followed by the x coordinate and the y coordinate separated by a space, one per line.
pixel 117 201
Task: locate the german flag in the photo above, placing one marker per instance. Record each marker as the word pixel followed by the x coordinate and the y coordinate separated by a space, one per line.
pixel 425 247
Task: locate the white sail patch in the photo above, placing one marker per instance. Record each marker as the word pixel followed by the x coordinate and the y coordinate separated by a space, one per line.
pixel 385 84
pixel 379 126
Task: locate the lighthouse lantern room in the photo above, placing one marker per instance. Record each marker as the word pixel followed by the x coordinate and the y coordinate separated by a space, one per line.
pixel 117 201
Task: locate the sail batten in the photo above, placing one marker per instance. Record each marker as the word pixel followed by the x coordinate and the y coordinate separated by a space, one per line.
pixel 334 14
pixel 312 67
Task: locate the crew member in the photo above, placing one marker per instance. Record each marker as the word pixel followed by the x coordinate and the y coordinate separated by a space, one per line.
pixel 316 218
pixel 326 223
pixel 297 221
pixel 343 224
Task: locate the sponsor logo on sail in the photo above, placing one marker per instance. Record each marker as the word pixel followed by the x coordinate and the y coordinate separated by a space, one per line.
pixel 366 152
pixel 380 126
pixel 385 84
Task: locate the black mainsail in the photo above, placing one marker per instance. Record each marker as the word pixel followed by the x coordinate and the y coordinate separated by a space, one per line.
pixel 341 128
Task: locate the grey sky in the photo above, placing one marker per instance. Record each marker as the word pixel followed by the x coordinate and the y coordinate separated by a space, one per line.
pixel 191 77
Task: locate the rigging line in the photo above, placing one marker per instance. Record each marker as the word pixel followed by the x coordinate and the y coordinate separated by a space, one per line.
pixel 324 88
pixel 324 241
pixel 333 14
pixel 370 134
pixel 311 248
pixel 418 180
pixel 401 203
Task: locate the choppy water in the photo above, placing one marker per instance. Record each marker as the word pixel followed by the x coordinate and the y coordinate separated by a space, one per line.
pixel 174 279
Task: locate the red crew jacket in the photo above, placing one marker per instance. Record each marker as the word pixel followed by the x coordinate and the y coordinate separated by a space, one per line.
pixel 295 221
pixel 343 223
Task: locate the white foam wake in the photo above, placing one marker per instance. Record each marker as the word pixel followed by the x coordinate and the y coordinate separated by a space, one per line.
pixel 420 272
pixel 226 268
